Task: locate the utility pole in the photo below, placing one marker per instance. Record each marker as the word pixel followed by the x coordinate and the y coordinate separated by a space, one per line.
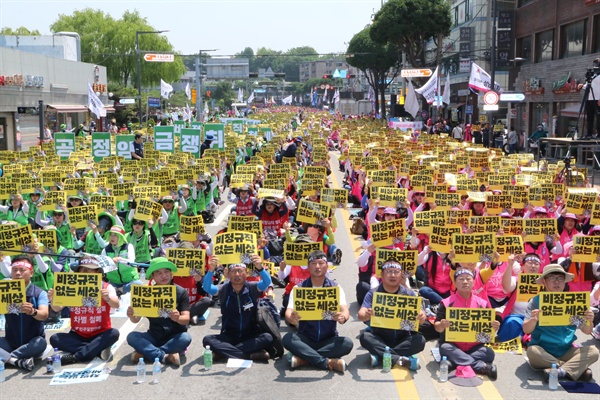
pixel 492 72
pixel 139 68
pixel 199 91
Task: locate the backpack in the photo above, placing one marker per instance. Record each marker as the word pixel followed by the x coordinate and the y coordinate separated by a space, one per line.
pixel 267 319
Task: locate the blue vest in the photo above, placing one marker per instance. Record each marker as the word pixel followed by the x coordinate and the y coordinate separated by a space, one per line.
pixel 318 330
pixel 238 310
pixel 22 328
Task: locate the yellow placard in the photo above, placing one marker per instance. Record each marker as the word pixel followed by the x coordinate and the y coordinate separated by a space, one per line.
pixel 586 249
pixel 498 203
pixel 394 311
pixel 473 247
pixel 470 325
pixel 239 180
pixel 153 301
pixel 406 258
pixel 316 304
pixel 512 226
pixel 80 217
pixel 52 199
pixel 538 228
pixel 48 238
pixel 103 202
pixel 458 217
pixel 426 220
pixel 513 346
pixel 297 253
pixel 254 226
pixel 12 296
pixel 490 224
pixel 147 192
pixel 446 201
pixel 578 202
pixel 563 308
pixel 311 212
pixel 190 227
pixel 147 209
pixel 234 247
pixel 441 237
pixel 386 233
pixel 189 262
pixel 73 289
pixel 527 288
pixel 595 214
pixel 542 195
pixel 264 192
pixel 384 177
pixel 122 191
pixel 509 244
pixel 16 238
pixel 432 190
pixel 335 198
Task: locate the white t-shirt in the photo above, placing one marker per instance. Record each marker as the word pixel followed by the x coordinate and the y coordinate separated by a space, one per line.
pixel 457 132
pixel 342 298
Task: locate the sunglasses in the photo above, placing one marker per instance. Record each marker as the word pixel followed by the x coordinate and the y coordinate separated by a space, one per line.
pixel 138 222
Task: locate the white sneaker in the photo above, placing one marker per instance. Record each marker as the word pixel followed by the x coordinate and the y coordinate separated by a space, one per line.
pixel 106 354
pixel 195 320
pixel 49 350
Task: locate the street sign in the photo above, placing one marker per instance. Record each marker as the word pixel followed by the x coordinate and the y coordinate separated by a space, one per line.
pixel 153 102
pixel 490 107
pixel 512 97
pixel 151 57
pixel 127 101
pixel 490 98
pixel 469 109
pixel 415 73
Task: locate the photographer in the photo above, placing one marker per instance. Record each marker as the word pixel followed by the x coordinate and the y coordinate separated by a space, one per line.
pixel 593 100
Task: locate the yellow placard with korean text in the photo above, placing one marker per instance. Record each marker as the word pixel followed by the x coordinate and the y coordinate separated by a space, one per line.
pixel 406 258
pixel 513 346
pixel 335 198
pixel 297 253
pixel 153 301
pixel 316 304
pixel 234 247
pixel 15 238
pixel 512 226
pixel 12 296
pixel 563 308
pixel 190 227
pixel 386 233
pixel 578 201
pixel 470 325
pixel 390 196
pixel 254 226
pixel 458 217
pixel 426 220
pixel 147 209
pixel 527 288
pixel 265 192
pixel 189 262
pixel 103 202
pixel 441 237
pixel 52 199
pixel 497 203
pixel 586 249
pixel 394 311
pixel 446 201
pixel 473 247
pixel 538 228
pixel 73 289
pixel 122 191
pixel 239 180
pixel 80 217
pixel 509 244
pixel 491 224
pixel 310 211
pixel 147 192
pixel 595 214
pixel 48 238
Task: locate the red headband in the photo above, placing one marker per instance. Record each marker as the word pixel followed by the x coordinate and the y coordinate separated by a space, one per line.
pixel 23 263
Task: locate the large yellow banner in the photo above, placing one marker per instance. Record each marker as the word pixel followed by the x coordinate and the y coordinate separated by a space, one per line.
pixel 77 289
pixel 394 311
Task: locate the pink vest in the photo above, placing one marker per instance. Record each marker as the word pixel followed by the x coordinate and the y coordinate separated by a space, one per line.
pixel 457 301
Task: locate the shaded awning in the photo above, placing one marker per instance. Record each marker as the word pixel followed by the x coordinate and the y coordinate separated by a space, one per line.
pixel 571 111
pixel 68 108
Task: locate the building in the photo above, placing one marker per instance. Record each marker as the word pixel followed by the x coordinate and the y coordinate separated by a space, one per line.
pixel 317 69
pixel 557 47
pixel 62 85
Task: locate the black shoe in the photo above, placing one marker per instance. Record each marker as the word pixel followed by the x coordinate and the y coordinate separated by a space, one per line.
pixel 545 376
pixel 68 359
pixel 491 371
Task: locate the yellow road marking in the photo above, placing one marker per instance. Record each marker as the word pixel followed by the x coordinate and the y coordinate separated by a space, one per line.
pixel 488 390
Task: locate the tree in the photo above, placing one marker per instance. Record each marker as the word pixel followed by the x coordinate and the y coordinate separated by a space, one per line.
pixel 20 31
pixel 410 23
pixel 109 42
pixel 223 95
pixel 378 62
pixel 249 54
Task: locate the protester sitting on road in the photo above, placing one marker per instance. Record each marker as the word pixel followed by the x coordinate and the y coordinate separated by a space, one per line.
pixel 91 333
pixel 166 338
pixel 239 337
pixel 171 226
pixel 403 344
pixel 122 253
pixel 60 219
pixel 317 342
pixel 476 355
pixel 24 331
pixel 17 211
pixel 244 202
pixel 143 239
pixel 555 344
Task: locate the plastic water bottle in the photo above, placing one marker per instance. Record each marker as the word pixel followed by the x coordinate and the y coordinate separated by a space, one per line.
pixel 143 275
pixel 444 370
pixel 553 381
pixel 207 358
pixel 156 367
pixel 141 371
pixel 387 360
pixel 2 375
pixel 56 362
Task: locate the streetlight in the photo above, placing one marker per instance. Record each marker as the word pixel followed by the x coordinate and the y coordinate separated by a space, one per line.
pixel 139 73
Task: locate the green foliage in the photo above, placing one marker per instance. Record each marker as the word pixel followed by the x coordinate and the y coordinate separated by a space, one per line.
pixel 223 95
pixel 20 31
pixel 410 23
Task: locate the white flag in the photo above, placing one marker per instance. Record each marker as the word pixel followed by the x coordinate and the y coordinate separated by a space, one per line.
pixel 94 103
pixel 206 108
pixel 188 91
pixel 188 113
pixel 429 89
pixel 446 94
pixel 411 104
pixel 480 80
pixel 336 96
pixel 165 89
pixel 287 100
pixel 250 99
pixel 325 96
pixel 240 95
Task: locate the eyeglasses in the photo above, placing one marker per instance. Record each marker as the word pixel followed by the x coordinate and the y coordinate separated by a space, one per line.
pixel 393 271
pixel 419 194
pixel 138 222
pixel 556 279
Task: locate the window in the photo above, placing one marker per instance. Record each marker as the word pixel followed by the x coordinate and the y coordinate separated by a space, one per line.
pixel 572 43
pixel 524 49
pixel 461 13
pixel 544 45
pixel 596 35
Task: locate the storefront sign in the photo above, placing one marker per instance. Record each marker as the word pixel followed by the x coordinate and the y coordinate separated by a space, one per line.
pixel 565 85
pixel 533 86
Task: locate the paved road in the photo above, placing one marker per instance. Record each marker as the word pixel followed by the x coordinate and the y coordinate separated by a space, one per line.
pixel 516 379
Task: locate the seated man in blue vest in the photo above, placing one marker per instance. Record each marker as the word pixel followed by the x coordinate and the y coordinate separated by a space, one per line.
pixel 403 344
pixel 317 342
pixel 25 338
pixel 240 336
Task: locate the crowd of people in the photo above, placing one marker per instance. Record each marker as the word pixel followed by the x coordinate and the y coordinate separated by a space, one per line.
pixel 300 144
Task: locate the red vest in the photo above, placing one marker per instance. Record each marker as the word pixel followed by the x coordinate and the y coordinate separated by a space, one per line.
pixel 242 208
pixel 90 321
pixel 189 284
pixel 296 277
pixel 272 222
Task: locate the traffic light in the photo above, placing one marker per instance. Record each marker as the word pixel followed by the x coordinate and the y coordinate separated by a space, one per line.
pixel 326 76
pixel 208 93
pixel 351 76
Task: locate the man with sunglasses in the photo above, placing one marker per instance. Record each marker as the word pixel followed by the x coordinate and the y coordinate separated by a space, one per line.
pixel 554 344
pixel 403 344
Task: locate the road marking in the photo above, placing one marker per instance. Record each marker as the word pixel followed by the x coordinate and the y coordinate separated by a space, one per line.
pixel 488 390
pixel 127 328
pixel 222 215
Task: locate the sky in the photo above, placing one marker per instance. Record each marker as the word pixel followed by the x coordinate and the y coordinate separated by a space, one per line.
pixel 228 26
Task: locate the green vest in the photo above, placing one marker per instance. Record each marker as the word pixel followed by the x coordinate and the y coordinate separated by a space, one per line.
pixel 191 207
pixel 200 201
pixel 33 209
pixel 44 280
pixel 124 273
pixel 91 244
pixel 18 216
pixel 65 238
pixel 172 225
pixel 141 244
